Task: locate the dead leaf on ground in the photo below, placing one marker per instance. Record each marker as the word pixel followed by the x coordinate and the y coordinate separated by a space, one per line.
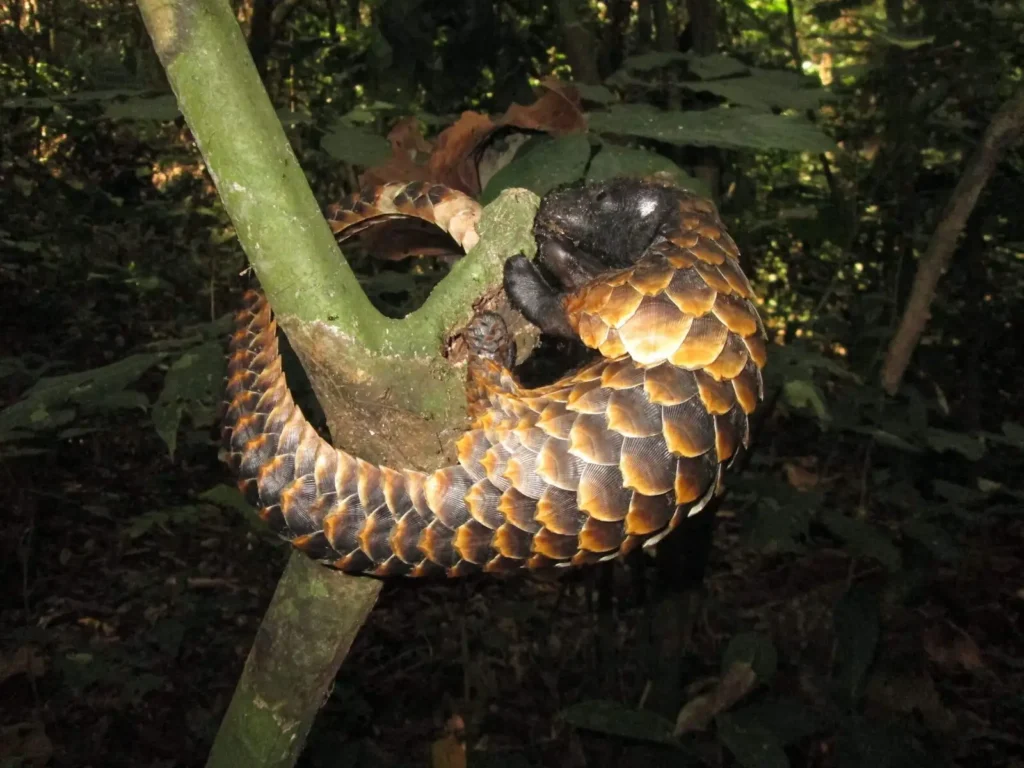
pixel 25 660
pixel 952 649
pixel 27 743
pixel 697 714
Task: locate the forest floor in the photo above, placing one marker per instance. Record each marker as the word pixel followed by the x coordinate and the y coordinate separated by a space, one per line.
pixel 122 640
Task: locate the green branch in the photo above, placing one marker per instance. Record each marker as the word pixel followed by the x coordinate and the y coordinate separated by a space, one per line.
pixel 278 221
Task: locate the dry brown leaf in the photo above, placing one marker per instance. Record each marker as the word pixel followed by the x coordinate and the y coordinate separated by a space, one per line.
pixel 447 753
pixel 26 742
pixel 697 714
pixel 952 649
pixel 452 162
pixel 25 660
pixel 452 158
pixel 557 111
pixel 801 476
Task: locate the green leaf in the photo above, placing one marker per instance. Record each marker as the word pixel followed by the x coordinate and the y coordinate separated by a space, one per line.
pixel 728 127
pixel 803 393
pixel 156 108
pixel 969 447
pixel 789 720
pixel 1014 433
pixel 193 384
pixel 92 385
pixel 958 494
pixel 542 168
pixel 645 62
pixel 778 527
pixel 889 439
pixel 764 89
pixel 857 629
pixel 862 743
pixel 289 118
pixel 716 65
pixel 612 161
pixel 354 145
pixel 228 497
pixel 755 649
pixel 862 538
pixel 753 745
pixel 612 718
pixel 892 37
pixel 126 399
pixel 595 93
pixel 933 538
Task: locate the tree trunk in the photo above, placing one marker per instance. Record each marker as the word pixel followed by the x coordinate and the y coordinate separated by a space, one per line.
pixel 388 394
pixel 1004 131
pixel 580 46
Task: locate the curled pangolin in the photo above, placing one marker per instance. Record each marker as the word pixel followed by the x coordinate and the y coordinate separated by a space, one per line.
pixel 609 457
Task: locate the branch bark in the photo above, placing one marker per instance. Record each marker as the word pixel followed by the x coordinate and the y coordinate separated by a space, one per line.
pixel 387 391
pixel 1004 130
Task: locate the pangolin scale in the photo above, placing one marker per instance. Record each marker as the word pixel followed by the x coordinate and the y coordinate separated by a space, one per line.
pixel 609 457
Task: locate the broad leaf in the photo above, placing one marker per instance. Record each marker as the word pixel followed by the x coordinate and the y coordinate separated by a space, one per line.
pixel 612 718
pixel 789 720
pixel 612 161
pixel 755 649
pixel 753 745
pixel 159 109
pixel 355 146
pixel 716 65
pixel 546 165
pixel 970 448
pixel 857 631
pixel 192 384
pixel 862 538
pixel 729 127
pixel 764 89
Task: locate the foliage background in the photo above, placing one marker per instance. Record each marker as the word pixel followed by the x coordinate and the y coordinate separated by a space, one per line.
pixel 870 556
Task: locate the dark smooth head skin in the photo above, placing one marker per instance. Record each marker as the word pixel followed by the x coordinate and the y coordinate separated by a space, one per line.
pixel 584 230
pixel 611 222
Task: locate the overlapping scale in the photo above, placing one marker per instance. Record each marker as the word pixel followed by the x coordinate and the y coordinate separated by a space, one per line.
pixel 654 331
pixel 607 459
pixel 702 345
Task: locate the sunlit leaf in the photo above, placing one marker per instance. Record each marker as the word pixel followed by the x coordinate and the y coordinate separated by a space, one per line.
pixel 801 393
pixel 543 167
pixel 729 127
pixel 612 161
pixel 764 89
pixel 716 65
pixel 156 108
pixel 645 62
pixel 355 146
pixel 595 93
